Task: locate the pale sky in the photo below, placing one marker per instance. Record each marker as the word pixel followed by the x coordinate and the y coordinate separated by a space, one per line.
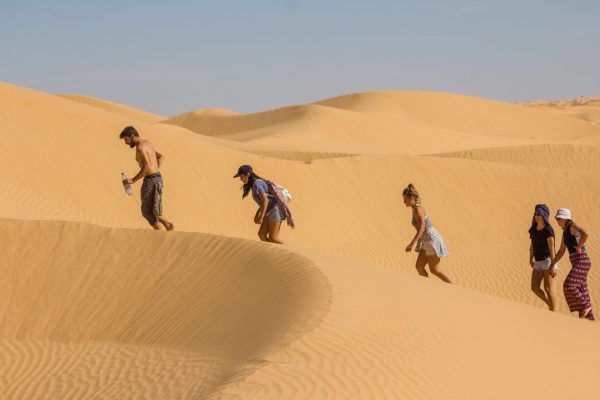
pixel 170 57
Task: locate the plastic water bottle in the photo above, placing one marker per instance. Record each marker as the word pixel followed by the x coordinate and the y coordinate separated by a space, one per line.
pixel 127 186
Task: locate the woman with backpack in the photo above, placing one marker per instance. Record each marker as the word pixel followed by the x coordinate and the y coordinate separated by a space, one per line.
pixel 575 286
pixel 269 214
pixel 427 241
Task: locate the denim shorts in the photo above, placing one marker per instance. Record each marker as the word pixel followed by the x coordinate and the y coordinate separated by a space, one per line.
pixel 275 214
pixel 543 265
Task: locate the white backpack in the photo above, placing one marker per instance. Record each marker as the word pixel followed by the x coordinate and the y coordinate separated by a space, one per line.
pixel 283 192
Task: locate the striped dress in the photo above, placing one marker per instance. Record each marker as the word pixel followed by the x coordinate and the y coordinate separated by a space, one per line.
pixel 575 286
pixel 431 237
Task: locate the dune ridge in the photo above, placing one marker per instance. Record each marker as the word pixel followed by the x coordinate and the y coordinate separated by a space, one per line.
pixel 115 108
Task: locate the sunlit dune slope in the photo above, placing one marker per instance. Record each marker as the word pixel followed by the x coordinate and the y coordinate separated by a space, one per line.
pixel 562 157
pixel 115 108
pixel 392 335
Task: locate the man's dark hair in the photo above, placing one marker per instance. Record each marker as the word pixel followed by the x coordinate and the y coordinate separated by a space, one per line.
pixel 129 131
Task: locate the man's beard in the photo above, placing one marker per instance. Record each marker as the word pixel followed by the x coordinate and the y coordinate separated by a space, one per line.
pixel 132 144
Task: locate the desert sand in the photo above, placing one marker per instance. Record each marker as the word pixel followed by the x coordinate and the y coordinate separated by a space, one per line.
pixel 94 304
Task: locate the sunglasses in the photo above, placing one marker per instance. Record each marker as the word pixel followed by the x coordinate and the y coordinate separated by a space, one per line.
pixel 537 213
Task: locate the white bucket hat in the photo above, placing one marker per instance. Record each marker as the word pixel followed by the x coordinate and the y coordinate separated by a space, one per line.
pixel 563 213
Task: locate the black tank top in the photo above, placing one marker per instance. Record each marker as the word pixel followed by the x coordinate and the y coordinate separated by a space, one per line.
pixel 571 241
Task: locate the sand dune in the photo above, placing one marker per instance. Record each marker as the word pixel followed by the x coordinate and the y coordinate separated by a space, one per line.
pixel 199 316
pixel 115 108
pixel 338 312
pixel 346 206
pixel 584 108
pixel 563 156
pixel 206 306
pixel 423 340
pixel 389 122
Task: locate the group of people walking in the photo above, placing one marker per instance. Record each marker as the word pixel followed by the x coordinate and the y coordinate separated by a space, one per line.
pixel 542 255
pixel 427 242
pixel 544 260
pixel 272 207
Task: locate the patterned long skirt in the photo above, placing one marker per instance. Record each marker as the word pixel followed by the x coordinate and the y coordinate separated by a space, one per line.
pixel 575 286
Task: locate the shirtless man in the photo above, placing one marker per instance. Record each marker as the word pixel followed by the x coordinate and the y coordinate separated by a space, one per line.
pixel 150 160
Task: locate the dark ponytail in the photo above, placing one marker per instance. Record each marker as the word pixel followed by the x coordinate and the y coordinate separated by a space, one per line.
pixel 248 186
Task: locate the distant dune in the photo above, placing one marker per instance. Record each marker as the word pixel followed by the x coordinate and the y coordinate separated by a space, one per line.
pixel 584 108
pixel 556 156
pixel 97 305
pixel 115 108
pixel 389 122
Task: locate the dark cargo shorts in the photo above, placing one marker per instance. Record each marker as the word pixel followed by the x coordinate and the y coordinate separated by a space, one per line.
pixel 152 197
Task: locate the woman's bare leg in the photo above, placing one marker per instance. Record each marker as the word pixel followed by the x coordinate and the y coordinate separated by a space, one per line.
pixel 274 228
pixel 536 281
pixel 434 267
pixel 264 230
pixel 548 287
pixel 421 263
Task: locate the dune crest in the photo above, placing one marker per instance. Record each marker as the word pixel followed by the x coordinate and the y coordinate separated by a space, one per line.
pixel 115 108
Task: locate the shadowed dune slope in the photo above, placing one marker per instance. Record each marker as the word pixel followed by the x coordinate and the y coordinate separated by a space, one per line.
pixel 92 297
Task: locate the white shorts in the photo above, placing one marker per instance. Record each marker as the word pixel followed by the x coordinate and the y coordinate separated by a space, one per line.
pixel 429 250
pixel 543 265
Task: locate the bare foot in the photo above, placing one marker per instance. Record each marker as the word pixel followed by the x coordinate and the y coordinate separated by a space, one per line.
pixel 586 313
pixel 169 226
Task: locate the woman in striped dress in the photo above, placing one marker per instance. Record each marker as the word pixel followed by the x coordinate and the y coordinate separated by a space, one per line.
pixel 427 241
pixel 575 286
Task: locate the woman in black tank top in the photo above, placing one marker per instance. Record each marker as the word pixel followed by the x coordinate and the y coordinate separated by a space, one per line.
pixel 575 287
pixel 541 255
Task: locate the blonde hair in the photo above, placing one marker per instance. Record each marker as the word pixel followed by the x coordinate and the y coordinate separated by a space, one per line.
pixel 411 191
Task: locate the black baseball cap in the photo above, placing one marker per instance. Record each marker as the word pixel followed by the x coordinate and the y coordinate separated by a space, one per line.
pixel 243 170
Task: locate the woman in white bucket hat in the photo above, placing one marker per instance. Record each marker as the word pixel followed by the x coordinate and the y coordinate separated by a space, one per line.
pixel 575 286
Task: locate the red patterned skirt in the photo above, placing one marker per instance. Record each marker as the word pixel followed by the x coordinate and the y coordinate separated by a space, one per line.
pixel 575 286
